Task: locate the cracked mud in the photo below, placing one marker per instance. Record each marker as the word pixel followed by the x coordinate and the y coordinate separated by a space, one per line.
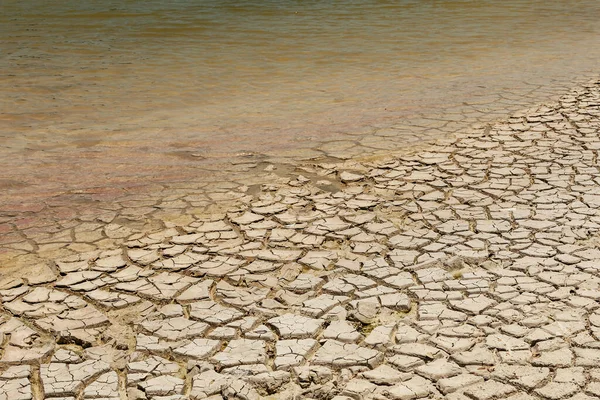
pixel 469 270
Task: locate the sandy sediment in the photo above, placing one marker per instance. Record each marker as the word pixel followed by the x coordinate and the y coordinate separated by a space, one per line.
pixel 465 270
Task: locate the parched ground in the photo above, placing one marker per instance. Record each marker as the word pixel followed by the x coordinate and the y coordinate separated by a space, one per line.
pixel 470 270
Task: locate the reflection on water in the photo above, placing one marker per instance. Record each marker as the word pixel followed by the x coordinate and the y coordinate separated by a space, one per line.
pixel 107 84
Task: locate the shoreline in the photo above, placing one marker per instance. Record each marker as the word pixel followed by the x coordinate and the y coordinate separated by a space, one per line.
pixel 467 270
pixel 29 213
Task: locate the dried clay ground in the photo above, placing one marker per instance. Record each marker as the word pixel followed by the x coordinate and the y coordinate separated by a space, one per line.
pixel 469 270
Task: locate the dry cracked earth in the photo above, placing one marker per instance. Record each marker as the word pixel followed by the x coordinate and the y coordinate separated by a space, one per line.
pixel 467 271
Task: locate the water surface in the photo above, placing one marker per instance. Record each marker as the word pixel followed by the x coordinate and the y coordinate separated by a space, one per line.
pixel 110 92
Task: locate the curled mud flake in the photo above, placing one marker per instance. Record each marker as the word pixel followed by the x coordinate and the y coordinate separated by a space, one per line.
pixel 293 352
pixel 63 380
pixel 414 388
pixel 343 355
pixel 12 292
pixel 199 349
pixel 175 329
pixel 180 262
pixel 324 303
pixel 238 296
pixel 293 326
pixel 86 317
pixel 490 389
pixel 275 255
pixel 112 300
pixel 105 386
pixel 164 385
pixel 304 283
pixel 17 389
pixel 241 352
pixel 213 313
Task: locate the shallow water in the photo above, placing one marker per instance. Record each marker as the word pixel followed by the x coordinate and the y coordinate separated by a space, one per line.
pixel 100 93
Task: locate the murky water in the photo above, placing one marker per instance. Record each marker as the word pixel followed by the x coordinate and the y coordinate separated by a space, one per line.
pixel 96 93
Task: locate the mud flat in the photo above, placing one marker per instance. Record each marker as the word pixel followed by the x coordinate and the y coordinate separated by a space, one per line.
pixel 58 193
pixel 464 270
